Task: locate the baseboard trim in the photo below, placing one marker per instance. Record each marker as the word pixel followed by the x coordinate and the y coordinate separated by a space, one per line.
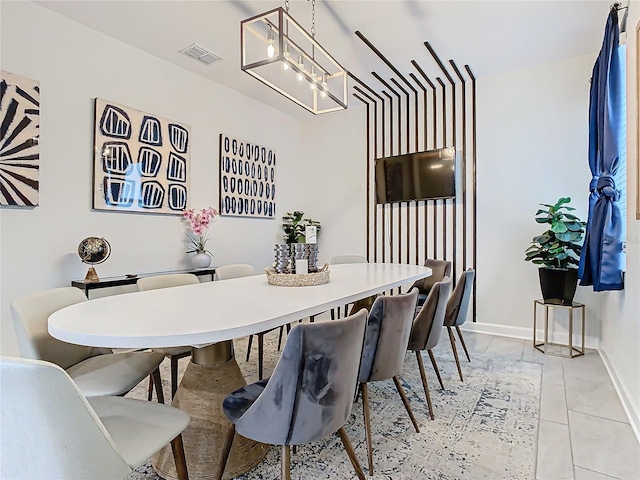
pixel 632 415
pixel 517 332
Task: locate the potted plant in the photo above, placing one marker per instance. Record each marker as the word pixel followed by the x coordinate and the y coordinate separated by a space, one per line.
pixel 558 251
pixel 294 227
pixel 199 224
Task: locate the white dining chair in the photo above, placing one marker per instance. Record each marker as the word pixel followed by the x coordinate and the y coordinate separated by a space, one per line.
pixel 50 430
pixel 172 353
pixel 227 272
pixel 96 371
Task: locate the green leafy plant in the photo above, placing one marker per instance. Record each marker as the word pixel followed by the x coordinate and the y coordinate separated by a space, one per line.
pixel 559 247
pixel 294 226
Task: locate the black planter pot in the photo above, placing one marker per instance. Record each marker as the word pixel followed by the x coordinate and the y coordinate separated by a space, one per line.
pixel 558 286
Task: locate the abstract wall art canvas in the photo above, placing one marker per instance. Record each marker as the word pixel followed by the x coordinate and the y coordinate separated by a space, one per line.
pixel 247 179
pixel 19 140
pixel 142 161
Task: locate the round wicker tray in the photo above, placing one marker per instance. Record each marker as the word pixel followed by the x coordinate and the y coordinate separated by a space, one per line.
pixel 294 280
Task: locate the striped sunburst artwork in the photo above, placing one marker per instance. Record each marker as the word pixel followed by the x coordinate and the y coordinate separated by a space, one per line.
pixel 19 140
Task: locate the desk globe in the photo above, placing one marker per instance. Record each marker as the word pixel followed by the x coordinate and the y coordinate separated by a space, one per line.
pixel 93 250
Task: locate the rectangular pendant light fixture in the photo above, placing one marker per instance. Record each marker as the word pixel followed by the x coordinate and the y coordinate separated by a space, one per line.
pixel 281 54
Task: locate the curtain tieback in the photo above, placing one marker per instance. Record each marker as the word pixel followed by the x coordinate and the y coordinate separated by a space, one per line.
pixel 606 186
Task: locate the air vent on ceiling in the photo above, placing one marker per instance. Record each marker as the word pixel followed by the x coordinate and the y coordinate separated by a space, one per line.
pixel 198 52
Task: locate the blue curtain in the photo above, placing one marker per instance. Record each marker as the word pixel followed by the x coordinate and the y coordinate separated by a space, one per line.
pixel 601 256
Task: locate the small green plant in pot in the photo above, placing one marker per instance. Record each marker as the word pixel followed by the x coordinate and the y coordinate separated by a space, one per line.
pixel 558 251
pixel 294 226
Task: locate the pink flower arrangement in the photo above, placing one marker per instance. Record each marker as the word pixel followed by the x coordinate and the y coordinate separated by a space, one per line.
pixel 199 224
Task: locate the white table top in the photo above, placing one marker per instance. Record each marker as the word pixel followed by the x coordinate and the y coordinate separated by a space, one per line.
pixel 211 312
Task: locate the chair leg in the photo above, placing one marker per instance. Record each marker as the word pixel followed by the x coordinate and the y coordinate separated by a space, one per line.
pixel 352 454
pixel 425 386
pixel 157 381
pixel 249 347
pixel 435 367
pixel 405 400
pixel 226 450
pixel 174 376
pixel 150 388
pixel 260 355
pixel 177 448
pixel 452 339
pixel 367 424
pixel 464 345
pixel 285 458
pixel 280 337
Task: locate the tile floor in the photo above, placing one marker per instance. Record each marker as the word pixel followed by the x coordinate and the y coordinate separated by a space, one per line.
pixel 584 433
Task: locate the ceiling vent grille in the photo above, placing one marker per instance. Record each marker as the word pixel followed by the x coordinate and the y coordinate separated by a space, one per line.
pixel 198 52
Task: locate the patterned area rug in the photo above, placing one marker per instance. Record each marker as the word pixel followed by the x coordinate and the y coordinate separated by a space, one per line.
pixel 485 427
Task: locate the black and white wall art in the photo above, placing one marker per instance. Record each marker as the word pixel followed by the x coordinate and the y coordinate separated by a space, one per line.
pixel 19 140
pixel 247 179
pixel 141 161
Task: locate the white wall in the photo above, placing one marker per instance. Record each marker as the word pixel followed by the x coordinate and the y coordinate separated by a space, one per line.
pixel 334 164
pixel 532 148
pixel 74 64
pixel 621 312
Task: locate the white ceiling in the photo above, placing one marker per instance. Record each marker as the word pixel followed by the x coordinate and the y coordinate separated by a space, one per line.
pixel 490 36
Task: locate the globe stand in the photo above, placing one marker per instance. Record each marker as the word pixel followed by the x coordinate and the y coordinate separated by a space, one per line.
pixel 92 276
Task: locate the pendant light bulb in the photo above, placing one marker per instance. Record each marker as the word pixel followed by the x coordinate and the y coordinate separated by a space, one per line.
pixel 312 83
pixel 287 57
pixel 271 49
pixel 299 76
pixel 323 89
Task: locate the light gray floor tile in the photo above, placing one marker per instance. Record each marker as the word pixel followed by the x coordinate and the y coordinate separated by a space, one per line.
pixel 584 474
pixel 553 404
pixel 594 398
pixel 504 346
pixel 553 370
pixel 587 367
pixel 604 446
pixel 475 342
pixel 554 452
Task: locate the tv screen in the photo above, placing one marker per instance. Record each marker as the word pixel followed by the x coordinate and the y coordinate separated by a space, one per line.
pixel 416 176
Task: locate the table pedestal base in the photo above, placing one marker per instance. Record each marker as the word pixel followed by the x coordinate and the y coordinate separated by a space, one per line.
pixel 201 392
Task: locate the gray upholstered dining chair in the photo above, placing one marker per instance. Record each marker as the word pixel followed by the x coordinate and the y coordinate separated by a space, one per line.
pixel 237 270
pixel 96 371
pixel 173 353
pixel 456 314
pixel 50 430
pixel 308 397
pixel 439 270
pixel 426 329
pixel 385 344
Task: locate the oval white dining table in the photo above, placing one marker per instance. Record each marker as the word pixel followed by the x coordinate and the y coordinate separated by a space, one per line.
pixel 208 316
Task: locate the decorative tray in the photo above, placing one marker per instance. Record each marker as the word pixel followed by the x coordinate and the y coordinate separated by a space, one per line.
pixel 295 280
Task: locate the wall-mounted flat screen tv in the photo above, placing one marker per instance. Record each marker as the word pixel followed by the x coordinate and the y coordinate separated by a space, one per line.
pixel 416 176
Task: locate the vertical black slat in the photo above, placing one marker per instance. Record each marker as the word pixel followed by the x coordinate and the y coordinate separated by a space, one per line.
pixel 464 163
pixel 444 144
pixel 375 153
pixel 408 147
pixel 368 162
pixel 454 203
pixel 473 157
pixel 424 141
pixel 375 215
pixel 387 205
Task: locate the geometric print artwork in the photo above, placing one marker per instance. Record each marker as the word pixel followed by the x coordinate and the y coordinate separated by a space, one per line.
pixel 19 140
pixel 247 179
pixel 141 161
